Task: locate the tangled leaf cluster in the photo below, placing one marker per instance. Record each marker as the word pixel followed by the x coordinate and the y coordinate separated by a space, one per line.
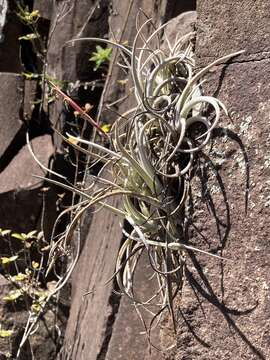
pixel 153 148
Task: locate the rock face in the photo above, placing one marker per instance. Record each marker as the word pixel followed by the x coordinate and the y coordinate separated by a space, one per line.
pixel 44 7
pixel 229 27
pixel 223 312
pixel 223 309
pixel 181 25
pixel 128 334
pixel 19 173
pixel 16 164
pixel 11 99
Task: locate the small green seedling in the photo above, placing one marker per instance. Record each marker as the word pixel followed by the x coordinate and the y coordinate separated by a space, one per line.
pixel 100 56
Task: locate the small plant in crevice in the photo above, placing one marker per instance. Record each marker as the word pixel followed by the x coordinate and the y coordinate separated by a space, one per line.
pixel 27 266
pixel 100 56
pixel 152 150
pixel 36 43
pixel 24 266
pixel 26 278
pixel 33 44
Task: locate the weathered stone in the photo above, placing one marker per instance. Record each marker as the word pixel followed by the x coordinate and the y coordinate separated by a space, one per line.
pixel 180 26
pixel 230 26
pixel 21 197
pixel 44 7
pixel 122 20
pixel 223 310
pixel 19 173
pixel 3 281
pixel 89 314
pixel 234 294
pixel 11 99
pixel 175 7
pixel 129 339
pixel 67 62
pixel 70 62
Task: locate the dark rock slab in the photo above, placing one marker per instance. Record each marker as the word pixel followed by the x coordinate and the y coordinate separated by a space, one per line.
pixel 30 95
pixel 21 195
pixel 20 210
pixel 10 31
pixel 19 173
pixel 88 316
pixel 122 23
pixel 11 99
pixel 129 339
pixel 173 8
pixel 74 20
pixel 70 63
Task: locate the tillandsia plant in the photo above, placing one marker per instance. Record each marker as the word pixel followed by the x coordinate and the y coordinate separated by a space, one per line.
pixel 153 148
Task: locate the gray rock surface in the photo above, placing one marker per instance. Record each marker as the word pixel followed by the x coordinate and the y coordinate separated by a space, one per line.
pixel 180 26
pixel 44 7
pixel 128 336
pixel 88 316
pixel 11 99
pixel 19 173
pixel 230 26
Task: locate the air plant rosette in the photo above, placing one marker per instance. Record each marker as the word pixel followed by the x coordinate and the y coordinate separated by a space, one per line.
pixel 153 148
